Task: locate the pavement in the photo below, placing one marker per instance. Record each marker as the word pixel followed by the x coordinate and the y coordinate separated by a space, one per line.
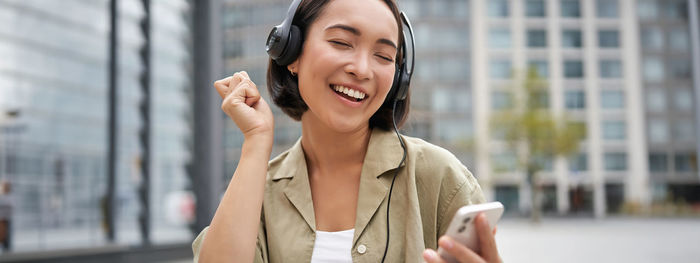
pixel 612 239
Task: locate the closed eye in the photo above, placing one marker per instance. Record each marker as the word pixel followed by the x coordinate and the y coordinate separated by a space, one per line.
pixel 385 58
pixel 336 42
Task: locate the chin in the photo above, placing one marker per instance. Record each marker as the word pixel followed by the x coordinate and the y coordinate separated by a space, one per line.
pixel 343 125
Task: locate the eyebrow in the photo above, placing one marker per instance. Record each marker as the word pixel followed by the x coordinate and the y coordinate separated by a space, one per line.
pixel 356 32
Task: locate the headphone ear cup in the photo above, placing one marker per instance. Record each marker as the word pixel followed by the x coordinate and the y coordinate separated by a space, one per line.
pixel 293 47
pixel 394 85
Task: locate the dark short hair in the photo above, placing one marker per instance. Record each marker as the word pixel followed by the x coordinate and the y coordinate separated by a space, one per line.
pixel 284 88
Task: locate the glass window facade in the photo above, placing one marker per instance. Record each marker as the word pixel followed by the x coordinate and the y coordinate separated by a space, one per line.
pixel 614 130
pixel 541 66
pixel 535 8
pixel 501 100
pixel 653 69
pixel 55 155
pixel 499 38
pixel 655 100
pixel 575 99
pixel 652 38
pixel 573 69
pixel 658 162
pixel 571 39
pixel 647 9
pixel 608 39
pixel 578 162
pixel 683 130
pixel 607 8
pixel 612 99
pixel 500 69
pixel 570 8
pixel 683 99
pixel 610 69
pixel 536 38
pixel 678 39
pixel 658 131
pixel 498 8
pixel 685 162
pixel 615 161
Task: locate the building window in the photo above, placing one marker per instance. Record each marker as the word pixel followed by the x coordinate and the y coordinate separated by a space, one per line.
pixel 612 99
pixel 613 130
pixel 658 162
pixel 678 39
pixel 499 38
pixel 655 100
pixel 540 66
pixel 652 38
pixel 498 8
pixel 570 8
pixel 610 69
pixel 683 131
pixel 504 162
pixel 500 69
pixel 653 69
pixel 571 38
pixel 501 100
pixel 615 161
pixel 535 8
pixel 685 162
pixel 575 99
pixel 675 9
pixel 680 68
pixel 658 131
pixel 607 8
pixel 573 69
pixel 536 38
pixel 647 9
pixel 683 99
pixel 608 39
pixel 578 162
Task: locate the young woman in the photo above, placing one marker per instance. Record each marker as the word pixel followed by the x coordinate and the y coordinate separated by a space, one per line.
pixel 325 199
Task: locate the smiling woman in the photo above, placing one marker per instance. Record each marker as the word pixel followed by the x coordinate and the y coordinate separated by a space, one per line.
pixel 341 68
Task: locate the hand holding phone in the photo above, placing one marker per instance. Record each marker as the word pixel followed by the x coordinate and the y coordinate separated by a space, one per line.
pixel 463 230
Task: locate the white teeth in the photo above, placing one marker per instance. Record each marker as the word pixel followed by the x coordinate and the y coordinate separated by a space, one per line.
pixel 350 92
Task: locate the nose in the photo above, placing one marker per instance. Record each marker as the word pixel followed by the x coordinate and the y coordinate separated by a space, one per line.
pixel 359 67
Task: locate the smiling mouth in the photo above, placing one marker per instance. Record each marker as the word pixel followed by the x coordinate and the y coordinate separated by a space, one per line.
pixel 348 93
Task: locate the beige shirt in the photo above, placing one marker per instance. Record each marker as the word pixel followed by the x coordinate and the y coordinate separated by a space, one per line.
pixel 430 187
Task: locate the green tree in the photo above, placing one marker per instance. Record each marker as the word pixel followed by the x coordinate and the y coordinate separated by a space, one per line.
pixel 533 133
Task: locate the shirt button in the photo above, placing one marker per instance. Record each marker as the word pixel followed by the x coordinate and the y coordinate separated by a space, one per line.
pixel 361 249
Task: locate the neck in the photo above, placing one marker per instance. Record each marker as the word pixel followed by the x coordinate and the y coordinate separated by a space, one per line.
pixel 327 150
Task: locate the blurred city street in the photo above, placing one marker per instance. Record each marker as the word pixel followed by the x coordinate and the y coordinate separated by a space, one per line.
pixel 609 240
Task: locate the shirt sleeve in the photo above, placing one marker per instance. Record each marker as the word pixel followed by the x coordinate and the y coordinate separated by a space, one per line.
pixel 260 251
pixel 465 191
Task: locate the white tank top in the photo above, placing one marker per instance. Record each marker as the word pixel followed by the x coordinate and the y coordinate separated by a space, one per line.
pixel 333 247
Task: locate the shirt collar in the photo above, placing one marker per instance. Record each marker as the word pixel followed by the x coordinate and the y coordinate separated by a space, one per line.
pixel 384 153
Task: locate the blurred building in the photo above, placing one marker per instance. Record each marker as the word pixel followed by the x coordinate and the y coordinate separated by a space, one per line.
pixel 622 69
pixel 54 92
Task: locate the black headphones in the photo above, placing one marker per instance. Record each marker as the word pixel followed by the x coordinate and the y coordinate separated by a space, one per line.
pixel 285 41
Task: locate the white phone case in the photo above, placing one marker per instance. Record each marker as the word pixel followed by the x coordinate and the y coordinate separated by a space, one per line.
pixel 462 228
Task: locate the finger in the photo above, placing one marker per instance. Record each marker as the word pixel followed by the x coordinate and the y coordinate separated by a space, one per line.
pixel 494 230
pixel 246 92
pixel 431 256
pixel 235 80
pixel 221 86
pixel 486 241
pixel 459 251
pixel 245 74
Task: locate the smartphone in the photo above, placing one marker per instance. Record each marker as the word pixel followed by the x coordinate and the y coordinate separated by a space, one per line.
pixel 463 230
